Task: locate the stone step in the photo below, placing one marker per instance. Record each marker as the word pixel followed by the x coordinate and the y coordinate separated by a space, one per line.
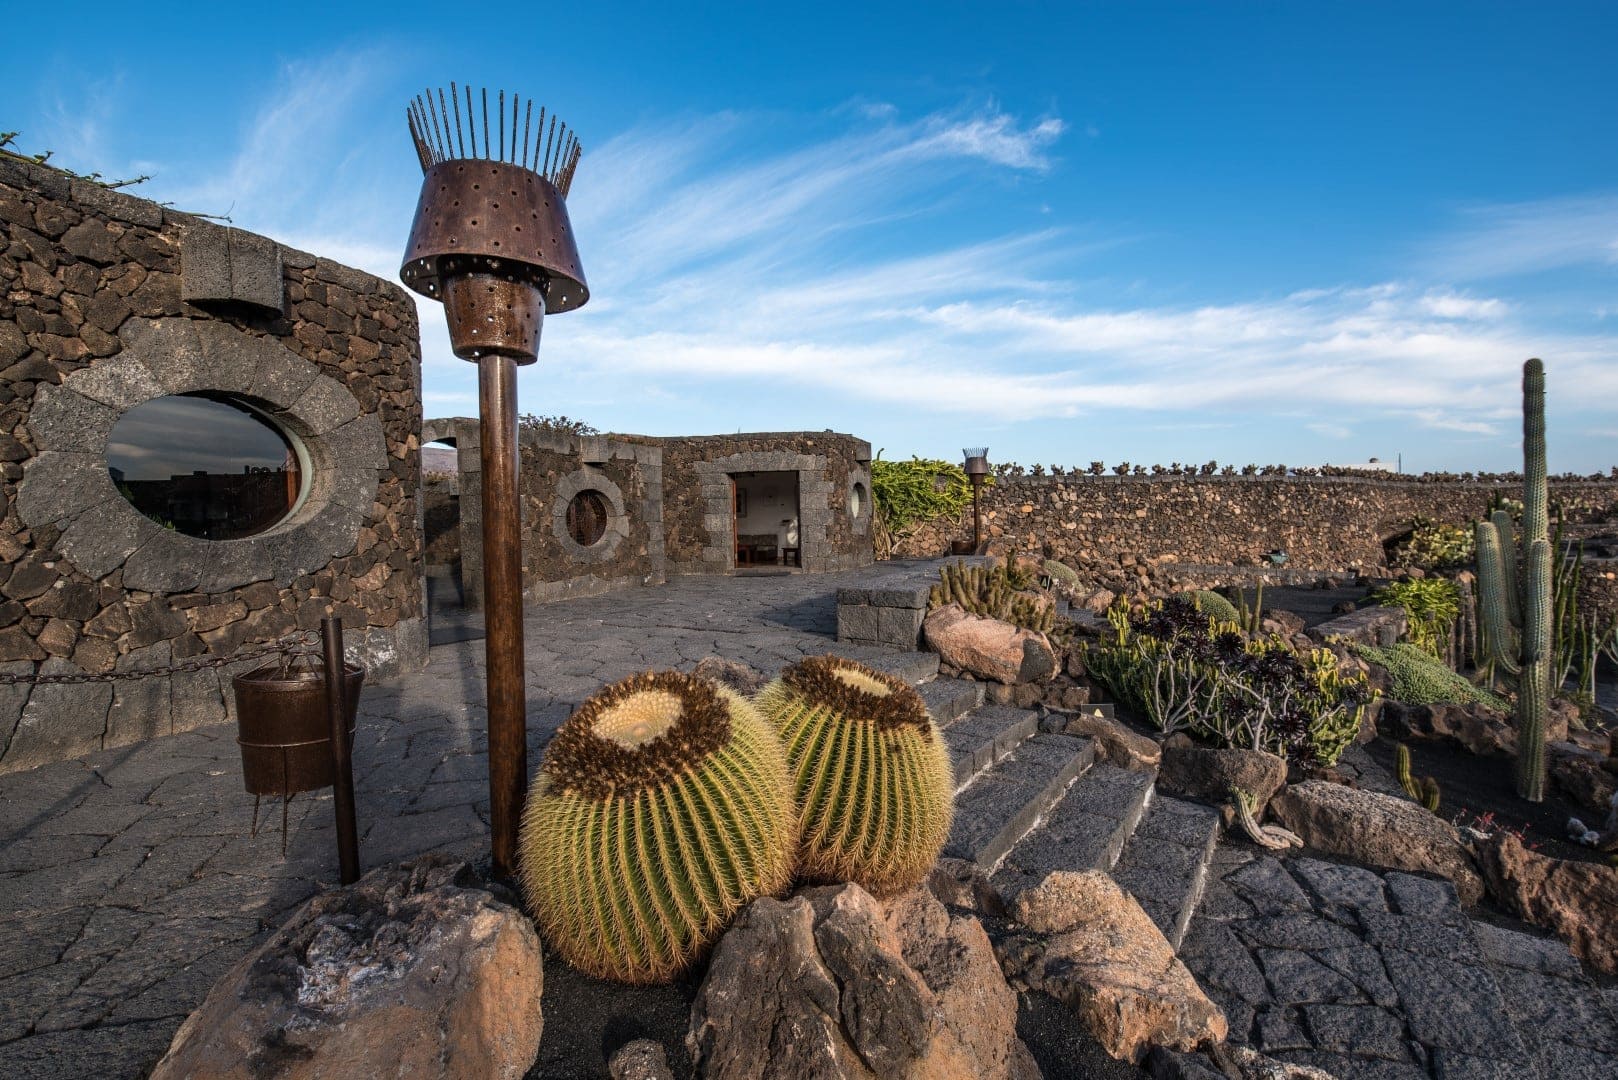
pixel 1087 830
pixel 1165 864
pixel 949 699
pixel 913 667
pixel 999 808
pixel 984 736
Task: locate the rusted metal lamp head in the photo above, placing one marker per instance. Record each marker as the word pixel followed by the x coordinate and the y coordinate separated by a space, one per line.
pixel 491 238
pixel 977 463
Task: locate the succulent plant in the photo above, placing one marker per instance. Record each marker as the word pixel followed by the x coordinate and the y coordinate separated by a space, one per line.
pixel 662 807
pixel 1212 604
pixel 870 773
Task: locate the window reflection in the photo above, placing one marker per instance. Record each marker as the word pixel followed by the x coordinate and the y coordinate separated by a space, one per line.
pixel 204 466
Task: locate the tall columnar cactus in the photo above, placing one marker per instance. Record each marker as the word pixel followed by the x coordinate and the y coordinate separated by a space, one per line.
pixel 1516 595
pixel 871 774
pixel 662 807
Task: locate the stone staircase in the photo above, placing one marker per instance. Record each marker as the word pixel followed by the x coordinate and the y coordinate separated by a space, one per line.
pixel 1030 801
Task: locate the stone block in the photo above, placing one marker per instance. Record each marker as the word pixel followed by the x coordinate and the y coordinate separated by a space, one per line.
pixel 62 419
pixel 324 406
pixel 118 382
pixel 856 622
pixel 205 263
pixel 255 271
pixel 167 562
pixel 99 542
pixel 224 265
pixel 197 699
pixel 358 444
pixel 58 487
pixel 60 720
pixel 899 626
pixel 281 376
pixel 140 708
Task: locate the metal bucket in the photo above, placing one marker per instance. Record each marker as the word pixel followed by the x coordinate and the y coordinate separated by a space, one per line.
pixel 282 726
pixel 961 547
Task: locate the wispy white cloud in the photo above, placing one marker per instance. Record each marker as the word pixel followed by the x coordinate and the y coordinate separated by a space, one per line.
pixel 1517 238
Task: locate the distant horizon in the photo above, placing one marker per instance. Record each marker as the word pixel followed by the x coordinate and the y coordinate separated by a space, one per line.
pixel 1292 234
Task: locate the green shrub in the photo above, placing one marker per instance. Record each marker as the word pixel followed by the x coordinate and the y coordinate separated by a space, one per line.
pixel 1418 679
pixel 1433 545
pixel 909 493
pixel 1431 606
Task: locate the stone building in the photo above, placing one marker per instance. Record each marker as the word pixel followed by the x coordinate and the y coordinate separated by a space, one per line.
pixel 207 440
pixel 603 512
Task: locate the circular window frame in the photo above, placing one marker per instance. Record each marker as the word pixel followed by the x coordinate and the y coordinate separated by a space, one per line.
pixel 264 416
pixel 574 483
pixel 859 486
pixel 67 485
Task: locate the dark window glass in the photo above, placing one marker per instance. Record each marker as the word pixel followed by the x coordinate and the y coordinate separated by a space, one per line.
pixel 587 518
pixel 204 466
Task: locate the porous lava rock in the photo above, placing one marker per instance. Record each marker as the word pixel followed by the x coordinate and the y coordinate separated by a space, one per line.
pixel 1577 900
pixel 1205 772
pixel 1087 943
pixel 1116 742
pixel 833 985
pixel 412 971
pixel 988 648
pixel 1378 829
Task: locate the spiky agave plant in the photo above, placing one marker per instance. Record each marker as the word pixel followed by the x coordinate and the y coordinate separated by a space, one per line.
pixel 662 807
pixel 870 773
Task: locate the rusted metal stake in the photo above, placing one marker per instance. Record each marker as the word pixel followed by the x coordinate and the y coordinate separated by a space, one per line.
pixel 342 789
pixel 502 605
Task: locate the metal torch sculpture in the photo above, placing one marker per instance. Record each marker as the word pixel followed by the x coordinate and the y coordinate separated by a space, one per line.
pixel 492 242
pixel 977 470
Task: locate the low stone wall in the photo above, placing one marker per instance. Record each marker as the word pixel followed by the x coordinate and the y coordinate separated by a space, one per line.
pixel 107 302
pixel 441 525
pixel 1323 523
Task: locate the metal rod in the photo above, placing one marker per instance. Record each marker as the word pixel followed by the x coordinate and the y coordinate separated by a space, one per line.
pixel 502 605
pixel 348 843
pixel 977 515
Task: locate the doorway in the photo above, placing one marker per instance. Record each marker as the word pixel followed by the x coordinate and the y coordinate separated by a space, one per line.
pixel 765 520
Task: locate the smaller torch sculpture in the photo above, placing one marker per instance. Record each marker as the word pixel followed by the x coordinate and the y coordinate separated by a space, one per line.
pixel 492 242
pixel 977 470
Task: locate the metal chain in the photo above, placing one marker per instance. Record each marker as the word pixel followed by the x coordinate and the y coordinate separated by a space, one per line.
pixel 296 643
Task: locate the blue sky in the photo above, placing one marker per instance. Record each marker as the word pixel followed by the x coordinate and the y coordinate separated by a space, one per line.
pixel 1307 232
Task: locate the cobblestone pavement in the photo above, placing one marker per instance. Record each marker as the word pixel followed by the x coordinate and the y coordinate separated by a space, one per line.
pixel 128 879
pixel 1384 976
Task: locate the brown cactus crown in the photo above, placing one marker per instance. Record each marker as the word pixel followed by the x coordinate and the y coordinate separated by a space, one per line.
pixel 858 692
pixel 638 733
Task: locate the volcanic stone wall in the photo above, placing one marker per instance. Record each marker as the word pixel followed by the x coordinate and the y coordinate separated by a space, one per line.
pixel 1325 523
pixel 834 504
pixel 108 301
pixel 625 476
pixel 440 524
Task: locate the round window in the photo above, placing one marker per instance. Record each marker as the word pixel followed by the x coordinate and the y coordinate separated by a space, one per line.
pixel 205 466
pixel 587 518
pixel 856 500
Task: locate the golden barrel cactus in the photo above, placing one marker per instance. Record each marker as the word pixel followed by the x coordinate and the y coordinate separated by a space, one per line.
pixel 870 771
pixel 662 807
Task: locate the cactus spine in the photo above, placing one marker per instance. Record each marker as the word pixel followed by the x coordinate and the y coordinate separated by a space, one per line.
pixel 870 771
pixel 1517 595
pixel 662 807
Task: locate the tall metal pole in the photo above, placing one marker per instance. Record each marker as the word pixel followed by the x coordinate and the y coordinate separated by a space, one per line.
pixel 977 515
pixel 342 789
pixel 502 606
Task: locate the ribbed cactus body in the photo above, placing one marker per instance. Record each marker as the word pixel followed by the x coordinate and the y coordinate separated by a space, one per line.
pixel 1495 588
pixel 663 806
pixel 871 775
pixel 1511 573
pixel 1534 682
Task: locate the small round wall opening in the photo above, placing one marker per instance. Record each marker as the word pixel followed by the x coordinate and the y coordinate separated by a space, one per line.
pixel 587 518
pixel 206 466
pixel 857 498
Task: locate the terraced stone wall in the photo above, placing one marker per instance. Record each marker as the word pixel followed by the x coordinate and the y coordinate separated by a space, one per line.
pixel 108 301
pixel 1326 523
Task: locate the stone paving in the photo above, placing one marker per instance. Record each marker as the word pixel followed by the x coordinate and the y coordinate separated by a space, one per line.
pixel 1384 976
pixel 128 879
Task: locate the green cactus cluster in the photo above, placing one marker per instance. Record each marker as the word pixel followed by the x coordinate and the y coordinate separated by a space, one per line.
pixel 1417 678
pixel 663 806
pixel 1516 593
pixel 871 774
pixel 996 592
pixel 1425 790
pixel 1061 574
pixel 1214 606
